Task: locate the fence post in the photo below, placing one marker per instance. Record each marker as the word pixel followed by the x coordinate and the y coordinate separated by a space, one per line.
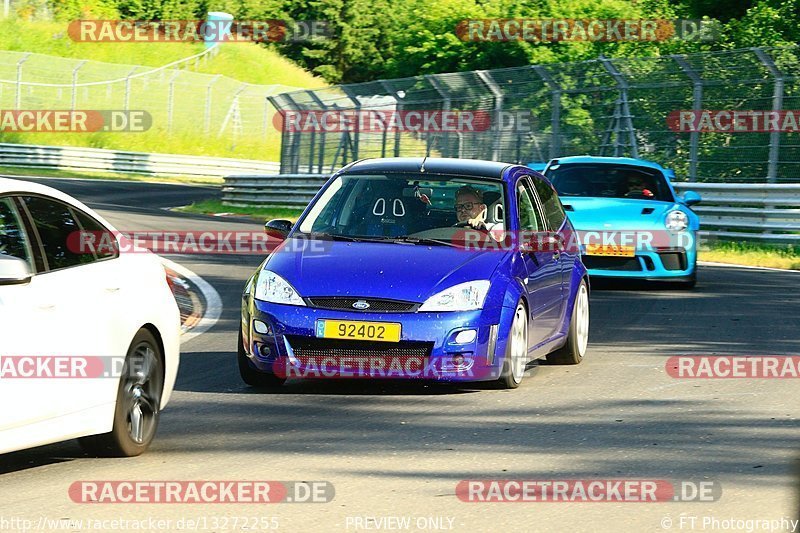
pixel 387 85
pixel 322 134
pixel 127 102
pixel 433 79
pixel 555 112
pixel 354 148
pixel 498 109
pixel 18 95
pixel 697 105
pixel 777 106
pixel 623 112
pixel 75 84
pixel 171 99
pixel 207 111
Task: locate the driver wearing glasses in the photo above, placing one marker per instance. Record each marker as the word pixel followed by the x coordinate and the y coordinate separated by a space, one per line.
pixel 471 210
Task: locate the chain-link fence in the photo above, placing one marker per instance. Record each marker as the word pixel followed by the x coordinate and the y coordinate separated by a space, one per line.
pixel 180 101
pixel 598 107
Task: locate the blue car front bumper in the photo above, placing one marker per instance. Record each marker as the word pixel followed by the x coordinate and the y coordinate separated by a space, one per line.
pixel 427 348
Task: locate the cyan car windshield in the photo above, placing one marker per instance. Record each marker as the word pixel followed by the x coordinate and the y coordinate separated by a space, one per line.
pixel 403 205
pixel 609 181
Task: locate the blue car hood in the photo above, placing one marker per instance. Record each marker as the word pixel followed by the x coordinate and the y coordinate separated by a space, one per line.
pixel 410 272
pixel 616 213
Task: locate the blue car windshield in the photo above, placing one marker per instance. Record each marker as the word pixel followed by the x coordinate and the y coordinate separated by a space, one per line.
pixel 396 206
pixel 609 181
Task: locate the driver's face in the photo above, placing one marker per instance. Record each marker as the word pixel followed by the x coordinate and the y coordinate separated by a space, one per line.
pixel 467 206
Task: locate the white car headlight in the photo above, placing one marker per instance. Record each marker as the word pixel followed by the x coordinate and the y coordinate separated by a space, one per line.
pixel 462 297
pixel 677 221
pixel 270 287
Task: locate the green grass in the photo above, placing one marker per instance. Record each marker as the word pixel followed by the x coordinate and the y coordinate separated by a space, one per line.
pixel 210 207
pixel 237 63
pixel 752 254
pixel 52 173
pixel 246 62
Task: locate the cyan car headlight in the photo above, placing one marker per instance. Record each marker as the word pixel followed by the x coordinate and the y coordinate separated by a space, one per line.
pixel 462 297
pixel 677 221
pixel 270 287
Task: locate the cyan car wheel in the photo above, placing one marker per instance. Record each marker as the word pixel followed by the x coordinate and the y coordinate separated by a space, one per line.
pixel 250 375
pixel 516 357
pixel 578 336
pixel 138 402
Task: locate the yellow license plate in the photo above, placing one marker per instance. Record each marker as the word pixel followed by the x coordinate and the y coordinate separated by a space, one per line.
pixel 618 251
pixel 358 330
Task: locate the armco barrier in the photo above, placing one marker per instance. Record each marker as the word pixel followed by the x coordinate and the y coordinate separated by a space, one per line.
pixel 95 159
pixel 745 211
pixel 748 211
pixel 283 190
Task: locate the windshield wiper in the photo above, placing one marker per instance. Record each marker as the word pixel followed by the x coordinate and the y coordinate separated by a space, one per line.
pixel 339 237
pixel 424 240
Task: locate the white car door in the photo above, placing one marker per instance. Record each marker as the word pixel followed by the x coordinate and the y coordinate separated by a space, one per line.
pixel 70 308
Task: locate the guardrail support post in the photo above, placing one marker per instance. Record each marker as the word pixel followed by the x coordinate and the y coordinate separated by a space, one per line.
pixel 354 147
pixel 18 94
pixel 207 110
pixel 171 99
pixel 127 102
pixel 75 84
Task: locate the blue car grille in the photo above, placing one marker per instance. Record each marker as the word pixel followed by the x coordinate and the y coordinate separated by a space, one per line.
pixel 307 348
pixel 375 305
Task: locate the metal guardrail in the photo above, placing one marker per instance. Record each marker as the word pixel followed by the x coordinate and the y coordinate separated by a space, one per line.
pixel 748 211
pixel 284 190
pixel 95 159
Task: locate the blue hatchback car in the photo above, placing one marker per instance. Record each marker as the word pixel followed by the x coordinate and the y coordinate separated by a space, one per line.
pixel 630 222
pixel 413 268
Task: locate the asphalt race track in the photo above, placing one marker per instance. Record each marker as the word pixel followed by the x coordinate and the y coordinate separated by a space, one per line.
pixel 399 449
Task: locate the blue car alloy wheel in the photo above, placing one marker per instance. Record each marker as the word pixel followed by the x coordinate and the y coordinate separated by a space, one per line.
pixel 437 269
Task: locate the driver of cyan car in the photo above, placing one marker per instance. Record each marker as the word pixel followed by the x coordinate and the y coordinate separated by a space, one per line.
pixel 637 187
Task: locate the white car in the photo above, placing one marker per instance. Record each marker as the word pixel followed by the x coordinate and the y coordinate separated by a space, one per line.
pixel 64 304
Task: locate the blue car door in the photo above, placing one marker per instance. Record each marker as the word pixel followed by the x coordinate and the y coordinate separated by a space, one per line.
pixel 565 255
pixel 543 280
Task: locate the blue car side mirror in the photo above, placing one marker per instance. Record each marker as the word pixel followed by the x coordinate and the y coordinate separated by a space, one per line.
pixel 691 198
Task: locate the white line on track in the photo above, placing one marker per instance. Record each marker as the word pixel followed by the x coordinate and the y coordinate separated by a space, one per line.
pixel 731 265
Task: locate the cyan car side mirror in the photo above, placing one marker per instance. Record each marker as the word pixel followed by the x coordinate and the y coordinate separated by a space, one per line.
pixel 691 198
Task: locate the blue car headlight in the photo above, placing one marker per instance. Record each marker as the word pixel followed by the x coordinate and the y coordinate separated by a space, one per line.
pixel 676 221
pixel 270 287
pixel 462 297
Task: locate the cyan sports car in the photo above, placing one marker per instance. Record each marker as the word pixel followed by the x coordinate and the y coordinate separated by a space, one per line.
pixel 630 221
pixel 412 268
